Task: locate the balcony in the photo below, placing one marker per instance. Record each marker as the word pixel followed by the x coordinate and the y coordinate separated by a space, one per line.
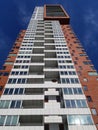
pixel 31 120
pixel 48 36
pixel 50 54
pixel 34 91
pixel 38 50
pixel 37 70
pixel 35 80
pixel 39 38
pixel 37 59
pixel 38 44
pixel 32 104
pixel 52 76
pixel 51 64
pixel 49 41
pixel 49 47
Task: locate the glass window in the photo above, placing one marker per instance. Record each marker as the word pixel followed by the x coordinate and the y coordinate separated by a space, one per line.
pixel 68 105
pixel 71 120
pixel 65 91
pixel 2 118
pixel 14 120
pixel 6 91
pixel 12 104
pixel 67 81
pixel 21 91
pixel 6 104
pixel 89 99
pixel 84 104
pixel 19 81
pixel 94 112
pixel 79 91
pixel 85 88
pixel 73 105
pixel 80 119
pixel 11 91
pixel 69 90
pixel 8 120
pixel 78 102
pixel 18 104
pixel 14 81
pixel 23 81
pixel 16 91
pixel 75 90
pixel 9 81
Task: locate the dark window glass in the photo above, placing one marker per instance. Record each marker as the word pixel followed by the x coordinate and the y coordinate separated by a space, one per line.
pixel 14 81
pixel 21 73
pixel 72 80
pixel 9 81
pixel 79 90
pixel 16 73
pixel 6 91
pixel 73 105
pixel 21 91
pixel 70 90
pixel 67 80
pixel 18 104
pixel 89 99
pixel 75 90
pixel 12 104
pixel 23 81
pixel 11 91
pixel 6 74
pixel 85 88
pixel 16 91
pixel 65 91
pixel 19 81
pixel 76 81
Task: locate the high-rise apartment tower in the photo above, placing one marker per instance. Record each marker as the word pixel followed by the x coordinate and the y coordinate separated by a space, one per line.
pixel 48 81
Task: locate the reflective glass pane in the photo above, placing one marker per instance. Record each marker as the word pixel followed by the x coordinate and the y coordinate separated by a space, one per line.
pixel 68 105
pixel 70 90
pixel 65 91
pixel 18 104
pixel 75 90
pixel 8 120
pixel 2 118
pixel 73 104
pixel 77 120
pixel 80 91
pixel 1 104
pixel 71 120
pixel 78 102
pixel 83 102
pixel 6 105
pixel 14 120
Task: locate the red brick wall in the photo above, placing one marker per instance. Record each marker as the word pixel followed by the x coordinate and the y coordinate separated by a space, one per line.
pixel 76 49
pixel 7 67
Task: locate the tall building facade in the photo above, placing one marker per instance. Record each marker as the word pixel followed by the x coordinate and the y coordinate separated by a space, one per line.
pixel 48 81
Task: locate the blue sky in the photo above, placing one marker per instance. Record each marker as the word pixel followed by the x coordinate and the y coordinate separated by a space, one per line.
pixel 15 15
